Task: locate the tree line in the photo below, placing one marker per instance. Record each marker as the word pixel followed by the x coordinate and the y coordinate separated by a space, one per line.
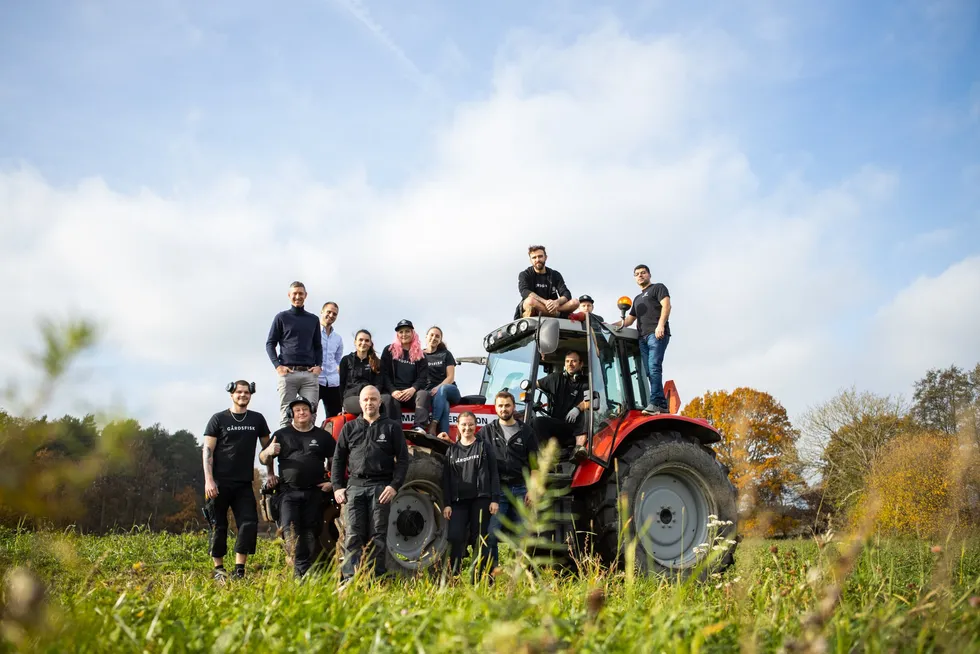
pixel 895 466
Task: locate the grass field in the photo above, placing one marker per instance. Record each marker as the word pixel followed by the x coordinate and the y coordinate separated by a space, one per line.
pixel 153 593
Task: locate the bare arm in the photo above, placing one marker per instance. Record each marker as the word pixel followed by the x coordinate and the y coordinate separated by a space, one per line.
pixel 664 311
pixel 207 453
pixel 270 468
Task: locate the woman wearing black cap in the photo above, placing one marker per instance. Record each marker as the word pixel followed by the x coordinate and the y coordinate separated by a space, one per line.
pixel 406 374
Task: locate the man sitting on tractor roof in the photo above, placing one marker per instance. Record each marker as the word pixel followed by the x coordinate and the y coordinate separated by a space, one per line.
pixel 566 390
pixel 543 290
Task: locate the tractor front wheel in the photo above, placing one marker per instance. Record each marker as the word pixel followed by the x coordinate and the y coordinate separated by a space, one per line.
pixel 417 531
pixel 669 485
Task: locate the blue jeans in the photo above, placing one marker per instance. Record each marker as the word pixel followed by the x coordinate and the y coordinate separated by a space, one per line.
pixel 652 352
pixel 445 397
pixel 508 508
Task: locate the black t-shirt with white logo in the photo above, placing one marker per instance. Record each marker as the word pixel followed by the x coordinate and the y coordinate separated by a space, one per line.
pixel 547 286
pixel 437 363
pixel 237 434
pixel 564 391
pixel 302 455
pixel 647 308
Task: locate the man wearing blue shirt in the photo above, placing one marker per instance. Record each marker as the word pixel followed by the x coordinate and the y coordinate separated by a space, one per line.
pixel 296 333
pixel 333 352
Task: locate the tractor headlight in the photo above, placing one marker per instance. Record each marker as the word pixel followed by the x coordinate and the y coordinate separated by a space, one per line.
pixel 512 329
pixel 523 325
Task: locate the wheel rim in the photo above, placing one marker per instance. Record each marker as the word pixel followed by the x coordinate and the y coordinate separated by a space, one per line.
pixel 416 530
pixel 671 509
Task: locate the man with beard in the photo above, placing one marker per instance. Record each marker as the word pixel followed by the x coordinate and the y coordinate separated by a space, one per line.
pixel 543 290
pixel 296 332
pixel 303 450
pixel 373 451
pixel 229 454
pixel 514 444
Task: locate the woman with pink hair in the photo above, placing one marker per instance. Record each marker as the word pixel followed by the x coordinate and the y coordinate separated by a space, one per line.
pixel 406 374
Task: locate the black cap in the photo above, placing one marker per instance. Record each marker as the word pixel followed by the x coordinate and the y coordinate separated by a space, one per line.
pixel 299 399
pixel 404 323
pixel 586 298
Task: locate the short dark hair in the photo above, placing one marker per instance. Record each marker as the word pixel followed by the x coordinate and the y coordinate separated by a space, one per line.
pixel 298 285
pixel 534 248
pixel 327 304
pixel 506 395
pixel 576 353
pixel 242 382
pixel 643 266
pixel 466 413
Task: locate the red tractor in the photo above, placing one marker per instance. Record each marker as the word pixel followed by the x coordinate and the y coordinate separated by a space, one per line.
pixel 663 464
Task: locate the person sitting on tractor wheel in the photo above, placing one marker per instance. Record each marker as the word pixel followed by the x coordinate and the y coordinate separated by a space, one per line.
pixel 543 290
pixel 514 444
pixel 566 390
pixel 650 310
pixel 368 469
pixel 406 375
pixel 303 450
pixel 586 305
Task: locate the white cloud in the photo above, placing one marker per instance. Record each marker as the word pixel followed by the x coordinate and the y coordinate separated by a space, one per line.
pixel 596 149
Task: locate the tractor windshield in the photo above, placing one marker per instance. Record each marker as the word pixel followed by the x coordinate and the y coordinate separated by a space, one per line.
pixel 507 368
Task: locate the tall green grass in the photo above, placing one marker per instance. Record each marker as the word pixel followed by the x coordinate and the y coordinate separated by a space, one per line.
pixel 153 592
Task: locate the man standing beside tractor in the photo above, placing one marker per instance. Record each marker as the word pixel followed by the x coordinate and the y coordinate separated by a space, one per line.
pixel 651 309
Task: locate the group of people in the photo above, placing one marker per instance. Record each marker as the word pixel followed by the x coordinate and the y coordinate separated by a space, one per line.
pixel 484 475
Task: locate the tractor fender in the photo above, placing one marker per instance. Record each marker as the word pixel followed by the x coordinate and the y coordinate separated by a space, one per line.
pixel 636 425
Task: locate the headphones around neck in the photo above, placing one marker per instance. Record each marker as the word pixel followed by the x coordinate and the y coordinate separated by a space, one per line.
pixel 231 386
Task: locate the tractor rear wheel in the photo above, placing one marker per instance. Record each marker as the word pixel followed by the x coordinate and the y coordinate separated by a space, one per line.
pixel 417 531
pixel 670 484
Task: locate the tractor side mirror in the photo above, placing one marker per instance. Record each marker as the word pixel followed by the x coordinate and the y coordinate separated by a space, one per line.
pixel 548 336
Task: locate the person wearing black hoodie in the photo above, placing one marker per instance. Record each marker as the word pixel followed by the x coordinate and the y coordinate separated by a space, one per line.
pixel 361 368
pixel 471 493
pixel 296 332
pixel 406 374
pixel 515 446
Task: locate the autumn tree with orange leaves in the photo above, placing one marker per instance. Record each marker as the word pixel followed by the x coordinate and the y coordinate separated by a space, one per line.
pixel 759 446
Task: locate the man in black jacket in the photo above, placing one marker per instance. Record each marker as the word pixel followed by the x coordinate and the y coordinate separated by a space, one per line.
pixel 543 290
pixel 296 332
pixel 369 467
pixel 514 444
pixel 303 450
pixel 567 390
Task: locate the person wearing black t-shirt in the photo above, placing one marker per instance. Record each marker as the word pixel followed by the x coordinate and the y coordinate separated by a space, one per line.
pixel 587 305
pixel 651 310
pixel 543 290
pixel 229 455
pixel 567 391
pixel 471 493
pixel 361 368
pixel 303 450
pixel 368 469
pixel 441 366
pixel 406 376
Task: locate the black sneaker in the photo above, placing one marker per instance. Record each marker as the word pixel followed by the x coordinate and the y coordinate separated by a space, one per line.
pixel 654 410
pixel 238 573
pixel 580 454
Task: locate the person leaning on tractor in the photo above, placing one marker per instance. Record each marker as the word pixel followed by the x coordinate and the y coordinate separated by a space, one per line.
pixel 587 305
pixel 406 376
pixel 566 390
pixel 332 345
pixel 543 290
pixel 303 450
pixel 651 309
pixel 296 332
pixel 229 454
pixel 471 492
pixel 514 443
pixel 368 469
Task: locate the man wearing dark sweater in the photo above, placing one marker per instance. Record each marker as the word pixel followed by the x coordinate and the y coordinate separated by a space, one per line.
pixel 296 332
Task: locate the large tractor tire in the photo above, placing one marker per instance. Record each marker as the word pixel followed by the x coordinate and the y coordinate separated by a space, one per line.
pixel 671 485
pixel 417 531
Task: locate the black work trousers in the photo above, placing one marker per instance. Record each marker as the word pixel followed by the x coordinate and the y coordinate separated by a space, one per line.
pixel 419 403
pixel 367 527
pixel 546 427
pixel 239 497
pixel 332 401
pixel 301 518
pixel 469 525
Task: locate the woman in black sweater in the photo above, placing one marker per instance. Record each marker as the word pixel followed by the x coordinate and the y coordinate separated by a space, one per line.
pixel 471 492
pixel 361 368
pixel 406 374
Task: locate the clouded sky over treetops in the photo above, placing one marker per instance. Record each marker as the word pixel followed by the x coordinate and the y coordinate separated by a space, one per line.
pixel 805 179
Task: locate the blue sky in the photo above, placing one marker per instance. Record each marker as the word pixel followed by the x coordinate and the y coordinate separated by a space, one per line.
pixel 806 178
